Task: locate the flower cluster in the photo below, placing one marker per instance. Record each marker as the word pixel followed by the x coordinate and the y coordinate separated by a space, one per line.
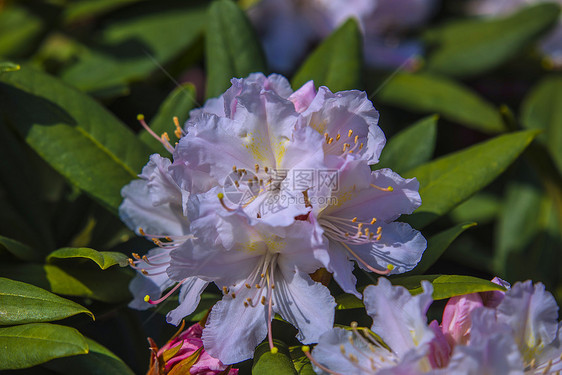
pixel 290 27
pixel 516 332
pixel 267 186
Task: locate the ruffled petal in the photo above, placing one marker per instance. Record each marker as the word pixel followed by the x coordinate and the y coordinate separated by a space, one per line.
pixel 304 303
pixel 190 295
pixel 398 317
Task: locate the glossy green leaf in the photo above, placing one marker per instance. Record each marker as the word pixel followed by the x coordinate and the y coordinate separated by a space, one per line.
pixel 99 361
pixel 7 66
pixel 448 181
pixel 110 285
pixel 436 246
pixel 411 147
pixel 28 345
pixel 22 303
pixel 177 104
pixel 73 133
pixel 19 30
pixel 469 47
pixel 433 94
pixel 18 249
pixel 104 259
pixel 300 361
pixel 446 286
pixel 337 62
pixel 267 363
pixel 232 49
pixel 139 43
pixel 542 109
pixel 482 208
pixel 79 10
pixel 348 301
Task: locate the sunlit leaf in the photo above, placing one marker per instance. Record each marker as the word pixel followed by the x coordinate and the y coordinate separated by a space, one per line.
pixel 337 62
pixel 446 286
pixel 266 362
pixel 433 94
pixel 469 47
pixel 411 147
pixel 481 207
pixel 542 109
pixel 28 345
pixel 104 259
pixel 232 50
pixel 22 303
pixel 448 181
pixel 110 285
pixel 73 133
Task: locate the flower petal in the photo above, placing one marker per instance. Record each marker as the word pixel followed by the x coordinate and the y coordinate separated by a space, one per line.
pixel 190 295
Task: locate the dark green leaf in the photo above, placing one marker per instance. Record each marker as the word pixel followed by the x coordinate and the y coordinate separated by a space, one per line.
pixel 267 363
pixel 31 344
pixel 231 46
pixel 22 303
pixel 99 361
pixel 411 147
pixel 448 181
pixel 80 281
pixel 470 47
pixel 337 62
pixel 446 286
pixel 436 246
pixel 542 109
pixel 76 11
pixel 19 250
pixel 177 104
pixel 19 29
pixel 104 259
pixel 482 208
pixel 133 47
pixel 348 301
pixel 432 94
pixel 73 133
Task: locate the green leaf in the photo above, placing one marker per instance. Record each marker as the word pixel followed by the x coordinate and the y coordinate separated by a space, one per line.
pixel 28 345
pixel 19 250
pixel 267 363
pixel 436 246
pixel 337 62
pixel 411 147
pixel 135 45
pixel 348 301
pixel 232 49
pixel 76 11
pixel 177 104
pixel 104 259
pixel 542 109
pixel 79 281
pixel 448 181
pixel 482 207
pixel 22 303
pixel 300 361
pixel 470 47
pixel 99 361
pixel 7 66
pixel 19 30
pixel 73 133
pixel 433 94
pixel 446 286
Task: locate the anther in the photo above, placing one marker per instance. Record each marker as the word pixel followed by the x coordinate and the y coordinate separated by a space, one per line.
pixel 141 231
pixel 233 295
pixel 263 300
pixel 257 168
pixel 258 286
pixel 145 258
pixel 373 220
pixel 262 275
pixel 361 146
pixel 178 131
pixel 233 168
pixel 248 286
pixel 245 304
pixel 266 169
pixel 131 263
pixel 169 239
pixel 349 133
pixel 225 290
pixel 330 140
pixel 356 139
pixel 379 230
pixel 136 256
pixel 354 219
pixel 144 272
pixel 165 136
pixel 338 137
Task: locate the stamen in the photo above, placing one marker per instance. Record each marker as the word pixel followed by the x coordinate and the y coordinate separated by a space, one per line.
pixel 389 268
pixel 178 132
pixel 221 199
pixel 390 188
pixel 338 137
pixel 350 133
pixel 136 256
pixel 147 297
pixel 257 168
pixel 165 143
pixel 373 220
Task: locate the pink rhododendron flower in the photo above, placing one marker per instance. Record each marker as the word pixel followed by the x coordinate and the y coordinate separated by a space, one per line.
pixel 185 354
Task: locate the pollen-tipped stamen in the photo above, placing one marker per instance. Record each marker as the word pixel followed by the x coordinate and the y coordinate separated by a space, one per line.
pixel 161 139
pixel 149 300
